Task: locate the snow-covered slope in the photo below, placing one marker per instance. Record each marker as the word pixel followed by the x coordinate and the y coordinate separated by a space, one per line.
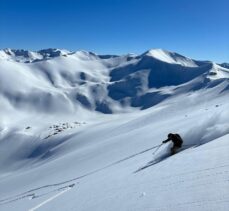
pixel 75 127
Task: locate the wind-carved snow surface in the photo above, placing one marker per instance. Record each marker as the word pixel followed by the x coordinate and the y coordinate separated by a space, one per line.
pixel 76 127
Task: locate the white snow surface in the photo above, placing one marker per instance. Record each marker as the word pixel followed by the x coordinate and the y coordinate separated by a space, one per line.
pixel 76 126
pixel 171 57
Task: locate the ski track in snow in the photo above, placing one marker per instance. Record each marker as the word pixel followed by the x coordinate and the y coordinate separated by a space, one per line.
pixel 49 199
pixel 29 194
pixel 206 173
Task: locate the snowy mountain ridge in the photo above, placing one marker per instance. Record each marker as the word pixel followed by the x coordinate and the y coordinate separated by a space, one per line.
pixel 55 80
pixel 31 56
pixel 21 55
pixel 171 57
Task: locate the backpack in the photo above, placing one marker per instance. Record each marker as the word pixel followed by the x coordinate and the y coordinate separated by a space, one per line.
pixel 179 138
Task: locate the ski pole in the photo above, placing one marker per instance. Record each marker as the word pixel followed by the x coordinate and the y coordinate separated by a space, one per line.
pixel 157 149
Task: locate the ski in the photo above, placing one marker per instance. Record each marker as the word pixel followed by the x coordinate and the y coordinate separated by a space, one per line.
pixel 151 163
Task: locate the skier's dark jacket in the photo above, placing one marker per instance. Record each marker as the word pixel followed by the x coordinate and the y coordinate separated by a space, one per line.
pixel 175 138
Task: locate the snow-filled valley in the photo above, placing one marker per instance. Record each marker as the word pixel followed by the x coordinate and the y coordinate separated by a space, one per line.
pixel 75 127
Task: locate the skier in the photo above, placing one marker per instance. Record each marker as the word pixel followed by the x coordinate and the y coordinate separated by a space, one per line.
pixel 177 142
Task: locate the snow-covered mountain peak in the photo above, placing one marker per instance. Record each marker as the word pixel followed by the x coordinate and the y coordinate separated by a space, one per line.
pixel 170 57
pixel 53 52
pixel 19 55
pixel 26 56
pixel 157 53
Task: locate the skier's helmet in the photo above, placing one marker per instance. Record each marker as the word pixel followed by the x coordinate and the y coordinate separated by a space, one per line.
pixel 170 135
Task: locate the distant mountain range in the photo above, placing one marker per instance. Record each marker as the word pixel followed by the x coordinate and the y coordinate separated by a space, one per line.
pixel 54 80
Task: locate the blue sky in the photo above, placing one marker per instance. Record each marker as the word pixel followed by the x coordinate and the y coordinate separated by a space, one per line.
pixel 195 28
